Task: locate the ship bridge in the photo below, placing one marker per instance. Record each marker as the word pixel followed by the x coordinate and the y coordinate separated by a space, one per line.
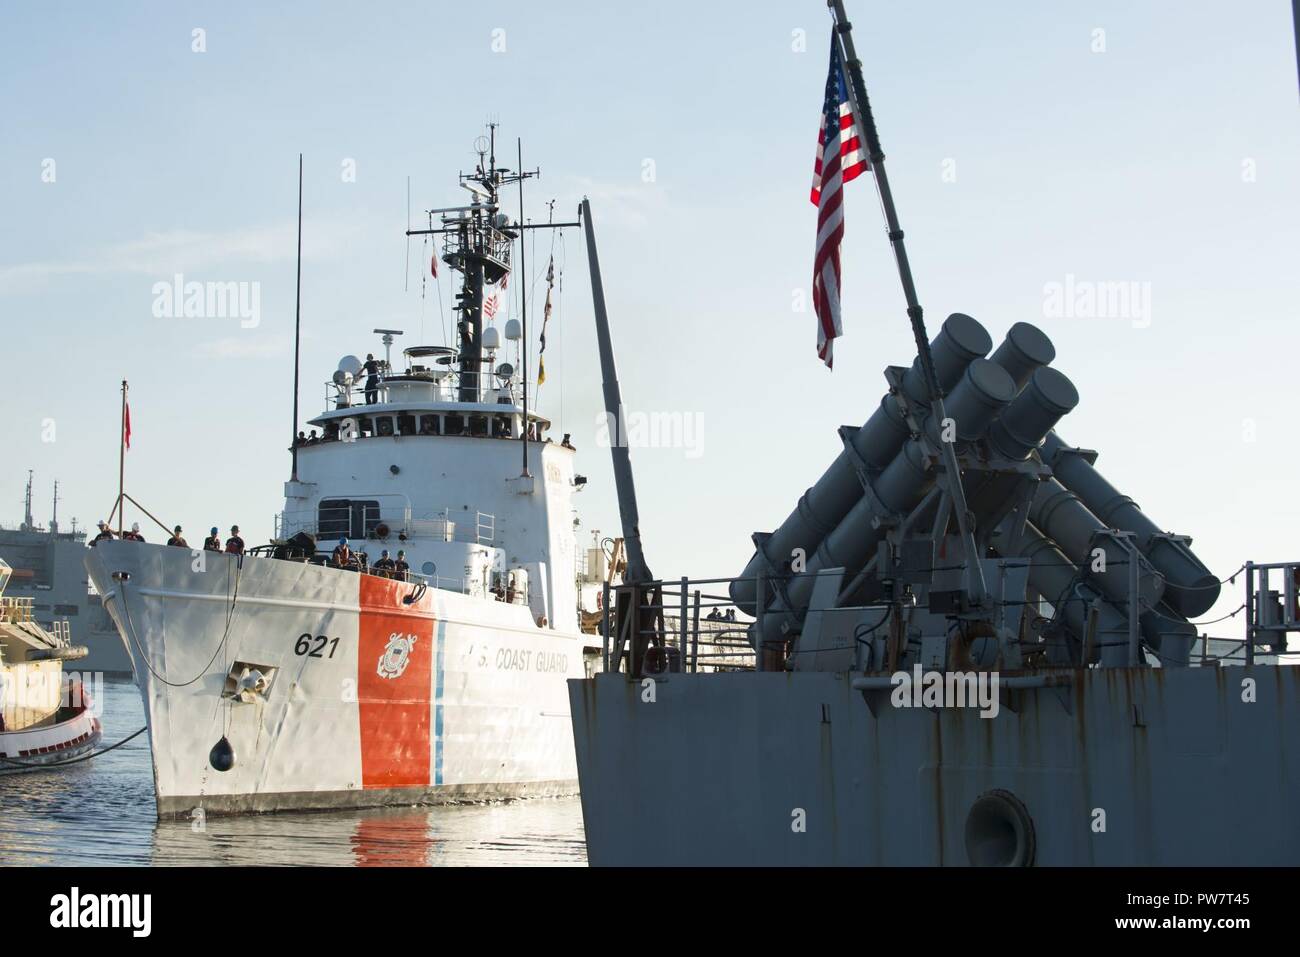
pixel 407 455
pixel 430 396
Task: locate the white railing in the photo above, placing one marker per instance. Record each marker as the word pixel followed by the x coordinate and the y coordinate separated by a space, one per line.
pixel 438 524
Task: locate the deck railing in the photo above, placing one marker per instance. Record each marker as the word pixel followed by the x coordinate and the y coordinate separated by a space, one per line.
pixel 15 610
pixel 657 627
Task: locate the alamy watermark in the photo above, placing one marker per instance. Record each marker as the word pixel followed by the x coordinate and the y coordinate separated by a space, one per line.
pixel 652 430
pixel 1088 299
pixel 952 689
pixel 49 689
pixel 179 299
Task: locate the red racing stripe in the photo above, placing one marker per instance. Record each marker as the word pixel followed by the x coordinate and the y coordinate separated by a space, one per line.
pixel 394 686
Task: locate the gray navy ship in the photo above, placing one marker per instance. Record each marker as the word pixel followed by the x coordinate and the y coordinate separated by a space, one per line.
pixel 49 569
pixel 967 647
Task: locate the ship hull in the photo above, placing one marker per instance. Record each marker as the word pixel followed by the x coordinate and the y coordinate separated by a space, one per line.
pixel 363 700
pixel 74 732
pixel 1190 766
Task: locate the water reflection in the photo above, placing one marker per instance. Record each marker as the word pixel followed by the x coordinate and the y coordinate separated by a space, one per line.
pixel 102 812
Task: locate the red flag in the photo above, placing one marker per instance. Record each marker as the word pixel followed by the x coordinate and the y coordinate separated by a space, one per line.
pixel 126 425
pixel 433 264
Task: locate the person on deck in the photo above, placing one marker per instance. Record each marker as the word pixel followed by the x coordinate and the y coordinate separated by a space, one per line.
pixel 133 535
pixel 177 538
pixel 371 369
pixel 342 554
pixel 401 570
pixel 235 544
pixel 105 534
pixel 213 542
pixel 384 567
pixel 566 443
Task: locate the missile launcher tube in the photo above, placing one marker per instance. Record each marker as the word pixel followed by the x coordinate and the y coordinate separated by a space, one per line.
pixel 1025 350
pixel 878 442
pixel 1191 587
pixel 1171 635
pixel 1042 402
pixel 985 390
pixel 1068 522
pixel 960 341
pixel 1053 576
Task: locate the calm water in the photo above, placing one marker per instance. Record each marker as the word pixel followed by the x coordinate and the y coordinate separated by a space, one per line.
pixel 102 812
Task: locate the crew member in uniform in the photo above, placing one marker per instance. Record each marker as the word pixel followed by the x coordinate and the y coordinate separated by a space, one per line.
pixel 105 534
pixel 400 568
pixel 385 566
pixel 133 535
pixel 212 543
pixel 177 538
pixel 371 368
pixel 235 544
pixel 342 554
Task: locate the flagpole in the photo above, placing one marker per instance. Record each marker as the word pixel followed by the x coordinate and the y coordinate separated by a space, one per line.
pixel 121 462
pixel 867 124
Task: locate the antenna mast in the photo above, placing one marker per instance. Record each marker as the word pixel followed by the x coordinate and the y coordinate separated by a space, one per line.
pixel 479 247
pixel 523 301
pixel 297 332
pixel 27 510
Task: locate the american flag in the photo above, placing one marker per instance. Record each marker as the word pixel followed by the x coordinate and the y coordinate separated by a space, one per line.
pixel 840 158
pixel 490 306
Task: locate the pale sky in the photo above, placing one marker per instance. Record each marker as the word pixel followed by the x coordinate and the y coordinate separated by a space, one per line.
pixel 1154 143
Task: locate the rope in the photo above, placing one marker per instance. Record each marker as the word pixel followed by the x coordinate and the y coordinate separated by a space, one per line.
pixel 230 615
pixel 84 757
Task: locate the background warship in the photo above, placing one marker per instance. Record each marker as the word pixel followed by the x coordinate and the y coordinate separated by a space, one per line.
pixel 48 568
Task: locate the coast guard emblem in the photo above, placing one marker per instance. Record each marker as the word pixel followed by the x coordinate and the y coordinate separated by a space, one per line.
pixel 396 655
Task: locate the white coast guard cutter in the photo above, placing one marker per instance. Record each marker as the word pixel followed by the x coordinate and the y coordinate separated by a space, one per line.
pixel 276 680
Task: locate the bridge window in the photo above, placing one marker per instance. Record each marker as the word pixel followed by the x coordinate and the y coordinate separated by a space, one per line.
pixel 342 516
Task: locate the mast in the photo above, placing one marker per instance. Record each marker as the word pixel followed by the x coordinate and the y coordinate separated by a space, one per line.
pixel 297 332
pixel 523 306
pixel 479 247
pixel 27 510
pixel 866 123
pixel 54 518
pixel 627 508
pixel 121 465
